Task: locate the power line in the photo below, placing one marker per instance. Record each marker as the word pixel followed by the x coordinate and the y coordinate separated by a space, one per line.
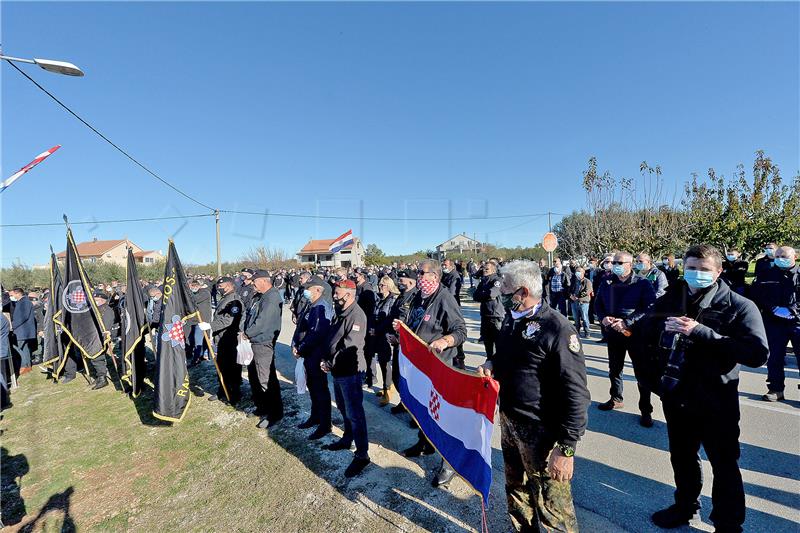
pixel 39 224
pixel 126 154
pixel 537 217
pixel 385 219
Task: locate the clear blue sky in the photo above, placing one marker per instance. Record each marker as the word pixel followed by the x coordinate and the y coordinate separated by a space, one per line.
pixel 396 109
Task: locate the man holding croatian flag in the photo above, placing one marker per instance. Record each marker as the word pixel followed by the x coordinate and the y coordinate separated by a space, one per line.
pixel 435 318
pixel 543 402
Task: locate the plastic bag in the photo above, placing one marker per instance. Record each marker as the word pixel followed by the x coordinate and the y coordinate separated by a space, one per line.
pixel 244 352
pixel 300 376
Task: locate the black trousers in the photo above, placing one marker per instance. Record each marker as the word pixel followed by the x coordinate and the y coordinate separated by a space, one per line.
pixel 264 382
pixel 490 331
pixel 712 422
pixel 99 365
pixel 318 392
pixel 618 346
pixel 231 372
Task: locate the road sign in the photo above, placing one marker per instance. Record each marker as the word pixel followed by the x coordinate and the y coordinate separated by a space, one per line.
pixel 549 242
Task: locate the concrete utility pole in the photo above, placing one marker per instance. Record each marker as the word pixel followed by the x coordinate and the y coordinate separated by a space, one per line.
pixel 219 257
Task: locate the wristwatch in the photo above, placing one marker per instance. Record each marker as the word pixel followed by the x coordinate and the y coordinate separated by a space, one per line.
pixel 568 451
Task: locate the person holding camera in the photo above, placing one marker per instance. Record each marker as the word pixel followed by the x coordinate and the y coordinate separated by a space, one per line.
pixel 704 331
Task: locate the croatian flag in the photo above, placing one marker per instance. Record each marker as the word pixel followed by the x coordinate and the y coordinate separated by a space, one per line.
pixel 344 240
pixel 18 174
pixel 454 408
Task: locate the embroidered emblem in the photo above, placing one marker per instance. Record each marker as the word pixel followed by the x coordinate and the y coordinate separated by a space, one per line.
pixel 574 344
pixel 531 330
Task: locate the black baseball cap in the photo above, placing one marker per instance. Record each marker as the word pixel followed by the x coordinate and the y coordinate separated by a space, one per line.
pixel 225 279
pixel 261 274
pixel 409 274
pixel 314 282
pixel 100 294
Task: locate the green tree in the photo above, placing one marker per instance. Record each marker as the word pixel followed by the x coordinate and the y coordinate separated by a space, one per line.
pixel 374 256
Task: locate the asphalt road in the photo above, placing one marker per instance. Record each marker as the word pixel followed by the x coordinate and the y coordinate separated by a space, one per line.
pixel 622 470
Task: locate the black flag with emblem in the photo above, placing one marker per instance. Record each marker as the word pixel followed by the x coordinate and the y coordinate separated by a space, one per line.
pixel 172 377
pixel 79 317
pixel 134 328
pixel 53 347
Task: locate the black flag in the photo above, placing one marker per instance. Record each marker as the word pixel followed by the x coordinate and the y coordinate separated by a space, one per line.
pixel 172 377
pixel 53 347
pixel 134 328
pixel 79 317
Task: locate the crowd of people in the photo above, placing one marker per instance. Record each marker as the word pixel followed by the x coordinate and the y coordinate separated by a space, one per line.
pixel 687 325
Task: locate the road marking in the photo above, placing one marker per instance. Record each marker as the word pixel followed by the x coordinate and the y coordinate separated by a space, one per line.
pixel 759 405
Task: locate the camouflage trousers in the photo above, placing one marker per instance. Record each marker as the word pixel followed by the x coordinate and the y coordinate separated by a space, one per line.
pixel 536 502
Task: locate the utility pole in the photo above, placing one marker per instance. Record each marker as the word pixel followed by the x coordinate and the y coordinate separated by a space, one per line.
pixel 219 258
pixel 549 230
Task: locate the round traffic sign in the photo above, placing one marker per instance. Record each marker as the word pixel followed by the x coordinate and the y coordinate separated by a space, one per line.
pixel 549 242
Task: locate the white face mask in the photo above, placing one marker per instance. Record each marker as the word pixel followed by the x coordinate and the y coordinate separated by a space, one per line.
pixel 13 298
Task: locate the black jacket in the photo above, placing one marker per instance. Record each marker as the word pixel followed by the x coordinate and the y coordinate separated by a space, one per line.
pixel 734 272
pixel 452 280
pixel 263 322
pixel 402 305
pixel 366 297
pixel 542 373
pixel 346 342
pixel 246 294
pixel 731 333
pixel 778 287
pixel 488 294
pixel 763 265
pixel 435 317
pixel 227 318
pixel 202 298
pixel 313 327
pixel 629 299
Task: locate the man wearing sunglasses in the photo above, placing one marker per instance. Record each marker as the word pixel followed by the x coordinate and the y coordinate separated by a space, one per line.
pixel 622 300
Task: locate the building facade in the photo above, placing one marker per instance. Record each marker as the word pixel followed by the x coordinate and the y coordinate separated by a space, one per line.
pixel 317 251
pixel 459 244
pixel 113 251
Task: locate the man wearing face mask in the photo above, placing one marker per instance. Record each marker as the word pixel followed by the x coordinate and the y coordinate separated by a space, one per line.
pixel 492 311
pixel 202 299
pixel 400 311
pixel 765 262
pixel 346 363
pixel 670 268
pixel 225 334
pixel 622 300
pixel 310 342
pixel 543 403
pixel 734 271
pixel 777 294
pixel 262 326
pixel 705 331
pixel 451 279
pixel 557 287
pixel 644 269
pixel 436 319
pixel 299 303
pixel 246 290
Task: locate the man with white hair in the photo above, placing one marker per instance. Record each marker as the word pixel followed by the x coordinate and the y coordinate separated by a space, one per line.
pixel 777 293
pixel 544 400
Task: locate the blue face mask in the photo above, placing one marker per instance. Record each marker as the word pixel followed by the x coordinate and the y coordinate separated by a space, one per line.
pixel 619 270
pixel 307 294
pixel 731 257
pixel 639 267
pixel 769 252
pixel 783 262
pixel 698 279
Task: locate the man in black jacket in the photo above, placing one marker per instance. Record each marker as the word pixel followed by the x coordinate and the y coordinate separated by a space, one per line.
pixel 777 294
pixel 492 312
pixel 262 327
pixel 225 332
pixel 436 318
pixel 734 271
pixel 543 402
pixel 451 279
pixel 407 283
pixel 202 299
pixel 621 301
pixel 345 361
pixel 706 331
pixel 367 299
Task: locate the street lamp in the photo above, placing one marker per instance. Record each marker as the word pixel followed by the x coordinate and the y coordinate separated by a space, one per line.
pixel 59 67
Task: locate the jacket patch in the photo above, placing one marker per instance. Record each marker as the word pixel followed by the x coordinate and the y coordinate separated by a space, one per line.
pixel 574 344
pixel 531 330
pixel 426 318
pixel 356 327
pixel 234 310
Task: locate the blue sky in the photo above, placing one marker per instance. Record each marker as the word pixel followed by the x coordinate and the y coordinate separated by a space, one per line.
pixel 393 110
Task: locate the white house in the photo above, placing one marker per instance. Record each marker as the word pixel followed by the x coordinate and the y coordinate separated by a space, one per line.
pixel 460 244
pixel 317 251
